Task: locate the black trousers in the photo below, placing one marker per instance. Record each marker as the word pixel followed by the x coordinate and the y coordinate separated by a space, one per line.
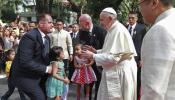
pixel 31 87
pixel 11 88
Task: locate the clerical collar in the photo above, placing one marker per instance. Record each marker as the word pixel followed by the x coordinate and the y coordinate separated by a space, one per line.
pixel 90 31
pixel 91 28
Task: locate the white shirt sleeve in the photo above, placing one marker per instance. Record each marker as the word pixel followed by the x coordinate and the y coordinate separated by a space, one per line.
pixel 105 59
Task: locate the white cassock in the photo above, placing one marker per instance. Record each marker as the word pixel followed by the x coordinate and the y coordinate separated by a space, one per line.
pixel 118 79
pixel 158 55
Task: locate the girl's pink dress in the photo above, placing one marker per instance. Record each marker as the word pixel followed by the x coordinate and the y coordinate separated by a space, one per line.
pixel 83 75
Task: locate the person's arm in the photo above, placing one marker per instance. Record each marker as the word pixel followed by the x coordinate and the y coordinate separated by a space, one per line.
pixel 7 68
pixel 91 61
pixel 76 65
pixel 69 45
pixel 106 59
pixel 54 73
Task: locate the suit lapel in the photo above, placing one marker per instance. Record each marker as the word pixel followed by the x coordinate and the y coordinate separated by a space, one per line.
pixel 39 38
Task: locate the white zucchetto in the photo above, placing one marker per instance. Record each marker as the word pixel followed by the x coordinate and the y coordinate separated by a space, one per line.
pixel 110 10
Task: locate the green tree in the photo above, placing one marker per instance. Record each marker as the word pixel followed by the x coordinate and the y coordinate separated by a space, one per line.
pixel 8 15
pixel 93 8
pixel 8 9
pixel 2 3
pixel 44 6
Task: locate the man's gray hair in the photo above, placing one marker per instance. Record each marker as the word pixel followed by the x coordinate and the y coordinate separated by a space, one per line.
pixel 87 17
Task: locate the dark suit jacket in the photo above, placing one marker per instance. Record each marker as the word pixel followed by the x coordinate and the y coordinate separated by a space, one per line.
pixel 30 61
pixel 96 39
pixel 138 35
pixel 74 40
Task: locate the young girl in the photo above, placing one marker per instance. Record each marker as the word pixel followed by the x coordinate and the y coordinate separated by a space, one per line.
pixel 55 83
pixel 10 54
pixel 83 74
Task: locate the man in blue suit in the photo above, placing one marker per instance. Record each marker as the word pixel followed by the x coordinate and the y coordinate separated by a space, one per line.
pixel 137 32
pixel 31 61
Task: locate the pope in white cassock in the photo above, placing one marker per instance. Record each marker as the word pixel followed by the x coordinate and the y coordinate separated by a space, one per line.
pixel 117 59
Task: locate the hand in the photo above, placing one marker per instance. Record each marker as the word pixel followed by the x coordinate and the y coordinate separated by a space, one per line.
pixel 79 66
pixel 87 54
pixel 140 63
pixel 66 81
pixel 90 48
pixel 71 58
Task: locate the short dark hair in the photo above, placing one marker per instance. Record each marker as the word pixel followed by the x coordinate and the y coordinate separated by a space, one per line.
pixel 59 20
pixel 55 52
pixel 132 12
pixel 42 16
pixel 167 2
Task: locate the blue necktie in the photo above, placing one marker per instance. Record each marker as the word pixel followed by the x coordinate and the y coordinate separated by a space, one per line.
pixel 46 45
pixel 130 30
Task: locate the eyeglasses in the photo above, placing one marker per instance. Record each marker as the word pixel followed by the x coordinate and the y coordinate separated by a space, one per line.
pixel 141 2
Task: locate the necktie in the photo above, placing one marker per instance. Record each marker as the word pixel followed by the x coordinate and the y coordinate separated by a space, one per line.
pixel 74 35
pixel 130 30
pixel 46 45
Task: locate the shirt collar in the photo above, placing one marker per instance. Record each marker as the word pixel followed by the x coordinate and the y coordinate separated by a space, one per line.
pixel 91 28
pixel 42 34
pixel 165 14
pixel 133 26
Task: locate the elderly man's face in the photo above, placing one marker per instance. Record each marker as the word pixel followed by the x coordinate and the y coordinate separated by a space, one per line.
pixel 104 21
pixel 84 24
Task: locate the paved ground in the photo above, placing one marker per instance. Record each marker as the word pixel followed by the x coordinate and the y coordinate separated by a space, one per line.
pixel 15 95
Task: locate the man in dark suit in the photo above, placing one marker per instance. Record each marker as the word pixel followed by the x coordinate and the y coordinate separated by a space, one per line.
pixel 74 35
pixel 94 36
pixel 137 32
pixel 32 60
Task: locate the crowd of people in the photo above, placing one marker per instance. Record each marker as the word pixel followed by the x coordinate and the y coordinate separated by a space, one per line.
pixel 122 62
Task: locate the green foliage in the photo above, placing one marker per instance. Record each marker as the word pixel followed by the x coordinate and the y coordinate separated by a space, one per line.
pixel 94 8
pixel 8 15
pixel 7 9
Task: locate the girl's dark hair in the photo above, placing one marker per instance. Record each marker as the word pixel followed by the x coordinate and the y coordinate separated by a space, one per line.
pixel 79 44
pixel 55 52
pixel 7 53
